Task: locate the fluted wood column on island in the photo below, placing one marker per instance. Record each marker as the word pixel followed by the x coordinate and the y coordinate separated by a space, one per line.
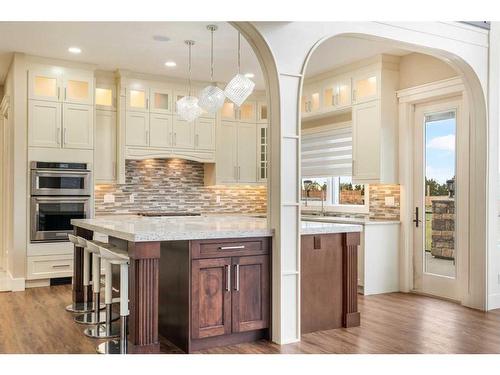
pixel 350 313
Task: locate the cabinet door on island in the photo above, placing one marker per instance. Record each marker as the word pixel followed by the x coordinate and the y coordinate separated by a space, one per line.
pixel 211 297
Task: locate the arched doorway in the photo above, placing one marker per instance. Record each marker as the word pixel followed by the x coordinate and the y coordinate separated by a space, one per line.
pixel 285 64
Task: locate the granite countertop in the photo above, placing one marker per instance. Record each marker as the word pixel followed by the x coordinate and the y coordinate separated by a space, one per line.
pixel 348 220
pixel 144 229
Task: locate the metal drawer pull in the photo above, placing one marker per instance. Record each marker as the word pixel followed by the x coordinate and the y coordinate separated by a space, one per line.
pixel 228 277
pixel 60 265
pixel 232 247
pixel 237 277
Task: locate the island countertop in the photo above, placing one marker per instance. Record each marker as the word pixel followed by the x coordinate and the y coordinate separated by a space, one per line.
pixel 145 229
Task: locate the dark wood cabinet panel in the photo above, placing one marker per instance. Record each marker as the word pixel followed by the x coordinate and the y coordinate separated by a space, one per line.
pixel 211 297
pixel 321 283
pixel 250 296
pixel 229 247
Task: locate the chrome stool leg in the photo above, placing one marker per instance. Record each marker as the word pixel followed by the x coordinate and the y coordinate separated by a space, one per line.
pixel 108 329
pixel 119 346
pixel 96 316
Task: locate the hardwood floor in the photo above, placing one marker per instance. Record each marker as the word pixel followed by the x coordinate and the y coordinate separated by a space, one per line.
pixel 34 321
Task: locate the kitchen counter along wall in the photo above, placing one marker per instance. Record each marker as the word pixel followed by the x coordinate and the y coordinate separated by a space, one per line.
pixel 175 185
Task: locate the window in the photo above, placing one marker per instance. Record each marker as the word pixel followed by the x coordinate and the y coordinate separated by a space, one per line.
pixel 334 193
pixel 327 168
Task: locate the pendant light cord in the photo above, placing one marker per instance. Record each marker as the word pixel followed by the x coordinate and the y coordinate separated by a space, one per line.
pixel 239 53
pixel 212 56
pixel 189 65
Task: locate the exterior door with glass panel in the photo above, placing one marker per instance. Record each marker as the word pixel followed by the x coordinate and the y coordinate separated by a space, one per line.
pixel 436 256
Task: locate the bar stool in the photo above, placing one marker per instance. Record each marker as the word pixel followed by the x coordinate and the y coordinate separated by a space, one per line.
pixel 115 255
pixel 96 316
pixel 81 307
pixel 108 329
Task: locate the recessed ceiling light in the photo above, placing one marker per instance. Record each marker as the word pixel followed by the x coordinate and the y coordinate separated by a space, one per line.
pixel 170 64
pixel 249 75
pixel 161 38
pixel 74 50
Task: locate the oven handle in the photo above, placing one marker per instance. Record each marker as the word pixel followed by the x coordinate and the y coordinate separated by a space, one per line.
pixel 61 199
pixel 46 172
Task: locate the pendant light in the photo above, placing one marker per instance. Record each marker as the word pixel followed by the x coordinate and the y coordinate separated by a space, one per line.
pixel 187 106
pixel 240 87
pixel 212 97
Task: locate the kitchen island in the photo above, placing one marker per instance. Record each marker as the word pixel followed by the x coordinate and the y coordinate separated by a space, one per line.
pixel 204 281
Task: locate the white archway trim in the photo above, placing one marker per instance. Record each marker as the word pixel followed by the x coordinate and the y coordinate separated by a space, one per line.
pixel 408 98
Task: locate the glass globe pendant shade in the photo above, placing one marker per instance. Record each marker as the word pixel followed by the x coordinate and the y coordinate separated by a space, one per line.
pixel 188 108
pixel 239 89
pixel 211 99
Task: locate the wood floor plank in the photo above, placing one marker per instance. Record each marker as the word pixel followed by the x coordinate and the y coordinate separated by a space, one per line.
pixel 34 321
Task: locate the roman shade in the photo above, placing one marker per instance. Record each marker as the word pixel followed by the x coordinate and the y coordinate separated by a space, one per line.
pixel 327 151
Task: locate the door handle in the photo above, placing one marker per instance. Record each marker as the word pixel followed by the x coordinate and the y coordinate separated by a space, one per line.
pixel 237 277
pixel 228 277
pixel 416 220
pixel 64 136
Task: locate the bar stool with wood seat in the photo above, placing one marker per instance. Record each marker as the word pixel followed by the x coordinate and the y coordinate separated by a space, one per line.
pixel 96 316
pixel 109 328
pixel 115 255
pixel 85 306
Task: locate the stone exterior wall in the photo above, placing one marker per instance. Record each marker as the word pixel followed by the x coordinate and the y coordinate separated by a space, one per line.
pixel 443 228
pixel 175 185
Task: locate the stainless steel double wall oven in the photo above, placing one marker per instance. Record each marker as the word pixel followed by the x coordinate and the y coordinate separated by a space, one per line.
pixel 59 192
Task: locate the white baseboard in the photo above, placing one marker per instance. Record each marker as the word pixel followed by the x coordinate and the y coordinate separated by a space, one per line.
pixel 37 283
pixel 494 301
pixel 11 284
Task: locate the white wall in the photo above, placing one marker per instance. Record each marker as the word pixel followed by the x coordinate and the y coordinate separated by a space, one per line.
pixel 463 46
pixel 417 69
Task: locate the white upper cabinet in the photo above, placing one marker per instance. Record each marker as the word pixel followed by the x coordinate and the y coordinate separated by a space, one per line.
pixel 78 88
pixel 247 112
pixel 337 94
pixel 311 99
pixel 183 136
pixel 160 130
pixel 59 84
pixel 44 124
pixel 228 112
pixel 227 153
pixel 262 112
pixel 137 129
pixel 138 99
pixel 366 141
pixel 365 87
pixel 204 134
pixel 247 153
pixel 105 146
pixel 105 97
pixel 161 100
pixel 44 84
pixel 78 126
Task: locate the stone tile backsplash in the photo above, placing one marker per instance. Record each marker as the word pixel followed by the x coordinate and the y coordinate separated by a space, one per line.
pixel 378 208
pixel 175 185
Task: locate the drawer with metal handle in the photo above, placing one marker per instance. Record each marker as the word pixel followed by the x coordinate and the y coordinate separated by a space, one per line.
pixel 229 247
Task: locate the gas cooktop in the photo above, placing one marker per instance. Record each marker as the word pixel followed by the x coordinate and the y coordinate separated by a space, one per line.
pixel 162 213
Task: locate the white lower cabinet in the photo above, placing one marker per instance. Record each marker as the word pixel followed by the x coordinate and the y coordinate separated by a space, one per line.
pixel 137 129
pixel 49 266
pixel 160 130
pixel 105 146
pixel 44 124
pixel 183 133
pixel 378 258
pixel 78 126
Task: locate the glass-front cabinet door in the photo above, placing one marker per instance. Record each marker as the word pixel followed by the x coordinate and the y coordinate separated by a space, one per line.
pixel 228 111
pixel 137 99
pixel 262 113
pixel 247 112
pixel 311 100
pixel 44 84
pixel 105 97
pixel 161 100
pixel 342 96
pixel 365 87
pixel 262 153
pixel 78 89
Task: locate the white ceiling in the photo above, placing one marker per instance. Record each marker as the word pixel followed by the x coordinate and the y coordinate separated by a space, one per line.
pixel 130 46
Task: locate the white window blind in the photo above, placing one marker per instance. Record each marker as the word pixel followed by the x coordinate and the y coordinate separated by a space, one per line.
pixel 327 152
